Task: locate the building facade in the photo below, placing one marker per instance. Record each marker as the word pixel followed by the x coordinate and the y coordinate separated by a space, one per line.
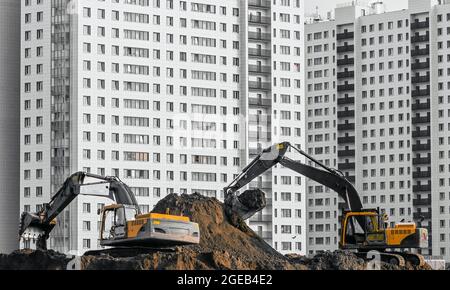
pixel 378 109
pixel 9 123
pixel 170 96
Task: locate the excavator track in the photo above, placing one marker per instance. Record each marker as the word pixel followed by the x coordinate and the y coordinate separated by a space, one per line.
pixel 413 259
pixel 393 259
pixel 122 252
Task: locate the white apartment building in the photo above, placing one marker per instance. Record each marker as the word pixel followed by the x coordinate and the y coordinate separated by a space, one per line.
pixel 380 81
pixel 9 123
pixel 170 96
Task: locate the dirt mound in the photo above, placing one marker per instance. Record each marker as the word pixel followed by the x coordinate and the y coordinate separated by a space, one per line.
pixel 34 260
pixel 223 236
pixel 344 260
pixel 338 260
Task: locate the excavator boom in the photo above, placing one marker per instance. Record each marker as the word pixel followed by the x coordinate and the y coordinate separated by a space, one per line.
pixel 276 154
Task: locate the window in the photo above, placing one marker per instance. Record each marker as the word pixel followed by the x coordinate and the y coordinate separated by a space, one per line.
pixel 86 225
pixel 86 207
pixel 86 243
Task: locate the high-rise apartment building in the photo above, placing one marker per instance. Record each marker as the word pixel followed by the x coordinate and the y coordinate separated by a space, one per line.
pixel 378 109
pixel 168 95
pixel 9 123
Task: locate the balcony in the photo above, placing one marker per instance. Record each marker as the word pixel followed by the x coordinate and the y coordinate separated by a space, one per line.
pixel 259 36
pixel 422 188
pixel 263 53
pixel 345 35
pixel 420 79
pixel 420 93
pixel 421 160
pixel 60 107
pixel 345 75
pixel 259 136
pixel 346 88
pixel 422 174
pixel 420 38
pixel 346 101
pixel 259 119
pixel 267 235
pixel 420 24
pixel 421 120
pixel 260 102
pixel 264 4
pixel 421 147
pixel 60 161
pixel 256 19
pixel 254 151
pixel 422 201
pixel 420 215
pixel 346 140
pixel 420 52
pixel 346 153
pixel 261 86
pixel 345 48
pixel 345 61
pixel 346 166
pixel 261 218
pixel 421 133
pixel 260 185
pixel 420 65
pixel 259 69
pixel 346 114
pixel 420 106
pixel 346 127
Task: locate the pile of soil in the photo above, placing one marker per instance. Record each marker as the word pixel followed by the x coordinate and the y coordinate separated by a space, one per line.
pixel 33 260
pixel 338 260
pixel 226 242
pixel 224 237
pixel 345 260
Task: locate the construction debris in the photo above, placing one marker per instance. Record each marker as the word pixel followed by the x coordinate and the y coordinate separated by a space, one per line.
pixel 226 243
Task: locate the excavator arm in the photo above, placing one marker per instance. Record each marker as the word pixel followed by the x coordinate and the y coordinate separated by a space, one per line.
pixel 40 224
pixel 276 154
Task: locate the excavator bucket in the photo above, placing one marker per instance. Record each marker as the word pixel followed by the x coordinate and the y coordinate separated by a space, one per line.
pixel 246 204
pixel 31 228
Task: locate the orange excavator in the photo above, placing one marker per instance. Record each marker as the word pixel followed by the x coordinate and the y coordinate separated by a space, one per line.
pixel 122 223
pixel 362 230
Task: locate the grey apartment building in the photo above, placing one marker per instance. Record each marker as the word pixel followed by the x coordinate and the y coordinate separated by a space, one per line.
pixel 378 109
pixel 171 96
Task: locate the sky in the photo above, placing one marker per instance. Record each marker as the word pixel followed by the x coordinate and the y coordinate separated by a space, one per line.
pixel 327 5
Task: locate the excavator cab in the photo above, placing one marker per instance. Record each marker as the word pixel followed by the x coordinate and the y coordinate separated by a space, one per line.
pixel 114 220
pixel 361 229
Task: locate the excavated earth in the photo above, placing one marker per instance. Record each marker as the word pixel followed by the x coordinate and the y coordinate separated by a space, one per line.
pixel 226 242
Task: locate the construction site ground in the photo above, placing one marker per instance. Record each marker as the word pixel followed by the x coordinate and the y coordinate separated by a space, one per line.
pixel 226 242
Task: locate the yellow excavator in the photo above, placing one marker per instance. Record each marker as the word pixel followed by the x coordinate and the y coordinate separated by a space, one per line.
pixel 362 230
pixel 122 223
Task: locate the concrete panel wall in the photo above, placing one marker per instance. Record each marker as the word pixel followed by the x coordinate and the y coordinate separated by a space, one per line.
pixel 9 123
